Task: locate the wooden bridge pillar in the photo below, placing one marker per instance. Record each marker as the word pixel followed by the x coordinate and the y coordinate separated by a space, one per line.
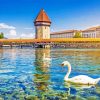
pixel 0 45
pixel 11 45
pixel 21 46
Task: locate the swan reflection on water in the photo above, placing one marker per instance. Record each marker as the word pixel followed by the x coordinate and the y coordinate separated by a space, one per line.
pixel 82 91
pixel 80 83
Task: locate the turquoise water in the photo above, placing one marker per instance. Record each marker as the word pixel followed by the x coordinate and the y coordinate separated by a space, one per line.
pixel 36 74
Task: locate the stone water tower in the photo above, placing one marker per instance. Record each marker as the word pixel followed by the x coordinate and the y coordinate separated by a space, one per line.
pixel 42 26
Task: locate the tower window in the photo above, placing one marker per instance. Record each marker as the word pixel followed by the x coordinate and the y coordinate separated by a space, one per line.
pixel 45 27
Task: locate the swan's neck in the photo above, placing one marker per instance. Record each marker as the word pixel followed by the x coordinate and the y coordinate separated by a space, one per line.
pixel 68 73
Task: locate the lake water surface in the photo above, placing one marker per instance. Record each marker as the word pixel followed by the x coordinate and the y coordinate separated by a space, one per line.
pixel 36 74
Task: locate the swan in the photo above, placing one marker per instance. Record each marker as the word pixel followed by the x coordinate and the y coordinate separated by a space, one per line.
pixel 80 79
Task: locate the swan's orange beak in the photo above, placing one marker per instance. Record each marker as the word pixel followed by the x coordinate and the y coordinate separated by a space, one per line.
pixel 62 65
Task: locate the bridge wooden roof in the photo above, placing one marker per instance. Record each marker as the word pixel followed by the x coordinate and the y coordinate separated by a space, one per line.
pixel 49 40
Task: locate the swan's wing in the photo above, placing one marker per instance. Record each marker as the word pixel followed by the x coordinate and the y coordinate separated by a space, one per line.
pixel 82 79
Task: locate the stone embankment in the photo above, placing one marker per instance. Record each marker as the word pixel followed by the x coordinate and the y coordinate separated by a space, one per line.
pixel 78 45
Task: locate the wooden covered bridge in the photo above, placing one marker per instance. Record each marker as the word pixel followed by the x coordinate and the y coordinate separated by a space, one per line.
pixel 43 43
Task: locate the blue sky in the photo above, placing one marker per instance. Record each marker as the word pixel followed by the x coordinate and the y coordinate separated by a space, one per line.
pixel 17 16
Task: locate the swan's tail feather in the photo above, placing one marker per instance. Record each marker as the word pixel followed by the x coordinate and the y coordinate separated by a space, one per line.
pixel 97 81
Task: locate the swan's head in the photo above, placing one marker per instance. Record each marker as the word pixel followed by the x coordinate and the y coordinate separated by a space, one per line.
pixel 65 63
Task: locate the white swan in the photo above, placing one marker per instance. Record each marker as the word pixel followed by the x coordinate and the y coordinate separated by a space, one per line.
pixel 80 79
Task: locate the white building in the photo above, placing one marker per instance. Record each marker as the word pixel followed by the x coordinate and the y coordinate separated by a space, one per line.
pixel 63 34
pixel 93 32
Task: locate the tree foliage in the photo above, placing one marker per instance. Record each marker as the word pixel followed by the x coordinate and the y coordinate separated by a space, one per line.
pixel 77 35
pixel 1 35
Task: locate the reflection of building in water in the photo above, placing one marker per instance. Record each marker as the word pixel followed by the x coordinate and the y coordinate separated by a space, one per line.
pixel 43 57
pixel 1 53
pixel 1 56
pixel 13 54
pixel 41 77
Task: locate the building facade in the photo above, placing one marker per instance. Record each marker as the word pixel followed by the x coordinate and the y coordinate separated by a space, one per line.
pixel 63 34
pixel 93 32
pixel 42 26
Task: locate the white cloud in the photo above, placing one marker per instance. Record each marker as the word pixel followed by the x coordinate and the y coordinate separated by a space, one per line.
pixel 28 35
pixel 5 26
pixel 12 32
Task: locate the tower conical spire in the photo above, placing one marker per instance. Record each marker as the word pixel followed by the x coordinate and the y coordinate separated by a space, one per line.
pixel 42 17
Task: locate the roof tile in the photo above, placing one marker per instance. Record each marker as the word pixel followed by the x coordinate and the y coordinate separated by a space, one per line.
pixel 42 17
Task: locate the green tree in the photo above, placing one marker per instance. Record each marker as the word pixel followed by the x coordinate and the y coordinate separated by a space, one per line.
pixel 1 35
pixel 77 35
